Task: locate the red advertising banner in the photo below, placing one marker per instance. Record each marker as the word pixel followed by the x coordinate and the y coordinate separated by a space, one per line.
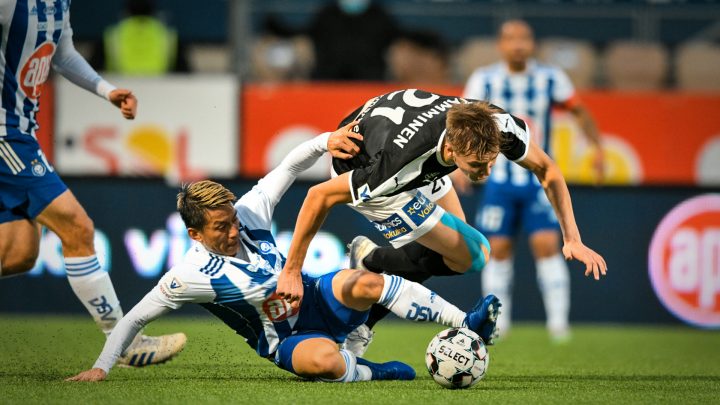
pixel 650 138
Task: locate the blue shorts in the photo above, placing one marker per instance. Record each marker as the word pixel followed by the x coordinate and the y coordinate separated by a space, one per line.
pixel 321 315
pixel 505 206
pixel 28 183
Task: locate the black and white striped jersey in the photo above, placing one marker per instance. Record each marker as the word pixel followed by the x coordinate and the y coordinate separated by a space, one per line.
pixel 403 133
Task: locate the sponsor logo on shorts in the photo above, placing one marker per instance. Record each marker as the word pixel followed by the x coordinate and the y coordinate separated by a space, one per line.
pixel 38 169
pixel 419 209
pixel 392 227
pixel 683 261
pixel 277 309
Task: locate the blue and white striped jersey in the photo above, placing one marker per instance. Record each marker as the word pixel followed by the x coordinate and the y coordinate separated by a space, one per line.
pixel 529 95
pixel 31 32
pixel 35 35
pixel 239 290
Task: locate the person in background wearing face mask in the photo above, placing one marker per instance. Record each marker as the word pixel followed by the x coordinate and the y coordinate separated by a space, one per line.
pixel 529 90
pixel 350 39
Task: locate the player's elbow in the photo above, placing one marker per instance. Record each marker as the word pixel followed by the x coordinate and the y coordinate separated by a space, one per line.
pixel 318 197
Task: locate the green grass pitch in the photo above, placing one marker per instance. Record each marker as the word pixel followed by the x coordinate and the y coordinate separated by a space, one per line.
pixel 602 364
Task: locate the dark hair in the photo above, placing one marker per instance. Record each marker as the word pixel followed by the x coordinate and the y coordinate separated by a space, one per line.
pixel 471 129
pixel 195 199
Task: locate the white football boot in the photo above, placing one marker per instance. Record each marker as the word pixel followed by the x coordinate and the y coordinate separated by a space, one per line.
pixel 359 340
pixel 149 350
pixel 359 248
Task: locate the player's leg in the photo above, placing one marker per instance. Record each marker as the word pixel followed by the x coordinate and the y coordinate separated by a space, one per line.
pixel 497 277
pixel 497 216
pixel 358 290
pixel 316 356
pixel 553 274
pixel 19 245
pixel 91 284
pixel 19 233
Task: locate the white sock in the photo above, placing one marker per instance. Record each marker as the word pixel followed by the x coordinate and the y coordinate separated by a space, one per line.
pixel 414 302
pixel 353 371
pixel 554 281
pixel 497 279
pixel 94 289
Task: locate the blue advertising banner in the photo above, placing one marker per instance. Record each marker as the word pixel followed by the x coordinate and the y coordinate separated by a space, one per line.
pixel 139 236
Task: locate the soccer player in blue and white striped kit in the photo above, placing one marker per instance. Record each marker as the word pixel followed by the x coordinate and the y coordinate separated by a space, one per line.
pixel 527 89
pixel 35 35
pixel 232 270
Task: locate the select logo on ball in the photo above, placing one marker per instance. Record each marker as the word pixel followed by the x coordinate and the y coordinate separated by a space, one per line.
pixel 684 261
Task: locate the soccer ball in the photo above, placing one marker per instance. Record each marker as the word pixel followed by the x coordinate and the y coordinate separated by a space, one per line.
pixel 457 358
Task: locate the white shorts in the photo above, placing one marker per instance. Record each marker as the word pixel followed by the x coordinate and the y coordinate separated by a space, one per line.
pixel 405 217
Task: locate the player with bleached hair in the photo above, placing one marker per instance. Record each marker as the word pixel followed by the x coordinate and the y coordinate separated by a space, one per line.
pixel 35 35
pixel 232 270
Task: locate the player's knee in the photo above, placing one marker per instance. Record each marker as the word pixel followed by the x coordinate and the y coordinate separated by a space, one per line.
pixel 79 233
pixel 18 264
pixel 368 286
pixel 324 363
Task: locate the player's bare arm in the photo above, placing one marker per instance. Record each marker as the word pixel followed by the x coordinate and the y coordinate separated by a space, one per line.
pixel 557 192
pixel 590 129
pixel 320 199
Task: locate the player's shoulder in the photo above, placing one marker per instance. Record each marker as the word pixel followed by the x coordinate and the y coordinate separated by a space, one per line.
pixel 485 71
pixel 547 68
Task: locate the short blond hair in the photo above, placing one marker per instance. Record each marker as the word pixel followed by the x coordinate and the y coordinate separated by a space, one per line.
pixel 195 199
pixel 471 129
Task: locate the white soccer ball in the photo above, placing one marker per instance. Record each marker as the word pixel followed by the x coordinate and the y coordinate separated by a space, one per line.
pixel 457 358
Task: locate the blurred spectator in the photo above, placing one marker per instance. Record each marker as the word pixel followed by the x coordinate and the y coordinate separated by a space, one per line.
pixel 140 44
pixel 281 54
pixel 419 57
pixel 350 39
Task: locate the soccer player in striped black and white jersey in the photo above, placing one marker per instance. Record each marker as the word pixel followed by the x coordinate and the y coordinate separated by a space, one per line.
pixel 35 35
pixel 530 90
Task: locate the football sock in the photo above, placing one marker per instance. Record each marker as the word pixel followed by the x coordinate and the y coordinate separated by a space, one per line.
pixel 497 279
pixel 414 302
pixel 554 281
pixel 93 287
pixel 353 371
pixel 413 262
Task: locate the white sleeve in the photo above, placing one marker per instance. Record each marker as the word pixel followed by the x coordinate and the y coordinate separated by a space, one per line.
pixel 146 311
pixel 474 88
pixel 263 198
pixel 69 63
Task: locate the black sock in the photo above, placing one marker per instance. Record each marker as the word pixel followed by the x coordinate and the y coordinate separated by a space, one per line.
pixel 413 262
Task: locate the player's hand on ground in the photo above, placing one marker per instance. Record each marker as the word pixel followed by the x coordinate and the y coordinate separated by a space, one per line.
pixel 594 263
pixel 125 101
pixel 341 145
pixel 290 287
pixel 94 374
